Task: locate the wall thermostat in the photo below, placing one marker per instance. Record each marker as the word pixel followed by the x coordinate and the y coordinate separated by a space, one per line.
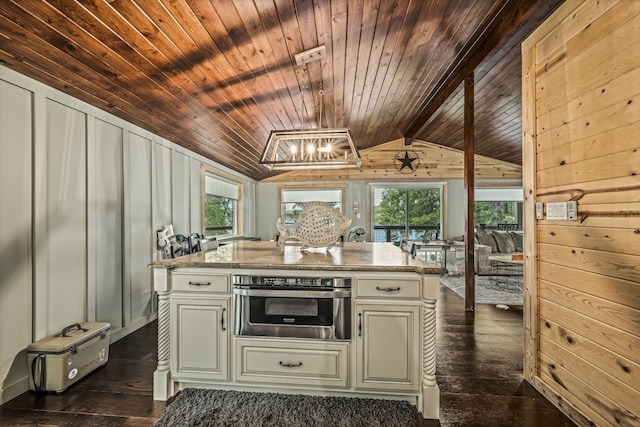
pixel 562 211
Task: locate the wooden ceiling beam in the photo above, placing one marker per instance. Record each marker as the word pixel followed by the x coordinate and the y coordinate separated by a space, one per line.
pixel 489 35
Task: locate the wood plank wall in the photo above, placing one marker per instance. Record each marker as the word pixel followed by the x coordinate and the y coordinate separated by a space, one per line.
pixel 581 120
pixel 434 162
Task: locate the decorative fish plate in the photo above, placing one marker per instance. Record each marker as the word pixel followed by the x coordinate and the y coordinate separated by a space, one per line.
pixel 320 225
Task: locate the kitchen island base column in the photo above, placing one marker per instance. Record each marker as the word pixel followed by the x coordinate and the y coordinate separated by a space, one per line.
pixel 163 385
pixel 430 389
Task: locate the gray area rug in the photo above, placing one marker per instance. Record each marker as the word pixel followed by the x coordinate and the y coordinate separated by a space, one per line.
pixel 498 290
pixel 202 407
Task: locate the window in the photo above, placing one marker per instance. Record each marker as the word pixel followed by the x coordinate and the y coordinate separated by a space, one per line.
pixel 221 205
pixel 291 199
pixel 406 212
pixel 495 206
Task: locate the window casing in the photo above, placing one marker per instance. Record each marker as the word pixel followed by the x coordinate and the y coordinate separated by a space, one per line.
pixel 406 211
pixel 495 206
pixel 291 199
pixel 222 200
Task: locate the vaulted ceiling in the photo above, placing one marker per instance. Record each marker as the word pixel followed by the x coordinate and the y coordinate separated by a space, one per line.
pixel 218 76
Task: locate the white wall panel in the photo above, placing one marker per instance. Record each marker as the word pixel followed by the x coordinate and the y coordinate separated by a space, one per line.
pixel 139 233
pixel 15 229
pixel 104 202
pixel 161 186
pixel 196 197
pixel 249 195
pixel 181 194
pixel 81 195
pixel 64 244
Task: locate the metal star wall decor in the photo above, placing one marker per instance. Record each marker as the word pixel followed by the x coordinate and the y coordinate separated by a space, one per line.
pixel 407 161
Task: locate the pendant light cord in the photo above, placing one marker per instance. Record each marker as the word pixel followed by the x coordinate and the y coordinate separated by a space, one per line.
pixel 321 92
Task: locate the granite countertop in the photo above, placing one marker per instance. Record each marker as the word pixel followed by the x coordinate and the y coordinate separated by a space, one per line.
pixel 349 256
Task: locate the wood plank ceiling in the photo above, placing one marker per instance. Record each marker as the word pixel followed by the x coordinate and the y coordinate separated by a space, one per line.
pixel 217 76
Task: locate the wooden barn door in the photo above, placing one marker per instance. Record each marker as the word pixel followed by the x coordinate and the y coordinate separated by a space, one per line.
pixel 581 121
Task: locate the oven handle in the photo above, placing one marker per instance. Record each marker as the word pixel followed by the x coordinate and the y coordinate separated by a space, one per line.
pixel 292 293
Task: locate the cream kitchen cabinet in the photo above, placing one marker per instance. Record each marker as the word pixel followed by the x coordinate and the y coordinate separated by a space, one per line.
pixel 387 347
pixel 199 338
pixel 200 329
pixel 390 353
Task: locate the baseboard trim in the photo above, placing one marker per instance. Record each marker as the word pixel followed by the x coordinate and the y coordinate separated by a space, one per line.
pixel 119 333
pixel 14 390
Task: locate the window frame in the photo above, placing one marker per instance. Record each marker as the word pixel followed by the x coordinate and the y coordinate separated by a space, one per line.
pixel 239 210
pixel 442 186
pixel 501 194
pixel 311 187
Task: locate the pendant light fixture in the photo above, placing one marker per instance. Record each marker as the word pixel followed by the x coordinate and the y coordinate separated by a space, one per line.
pixel 310 148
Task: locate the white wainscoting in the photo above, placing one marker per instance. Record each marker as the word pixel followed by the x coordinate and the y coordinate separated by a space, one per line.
pixel 89 190
pixel 16 138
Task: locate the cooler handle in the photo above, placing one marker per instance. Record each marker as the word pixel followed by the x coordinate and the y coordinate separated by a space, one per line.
pixel 39 372
pixel 68 328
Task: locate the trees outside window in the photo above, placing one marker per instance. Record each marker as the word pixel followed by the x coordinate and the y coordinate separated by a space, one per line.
pixel 498 205
pixel 219 215
pixel 222 201
pixel 406 213
pixel 491 214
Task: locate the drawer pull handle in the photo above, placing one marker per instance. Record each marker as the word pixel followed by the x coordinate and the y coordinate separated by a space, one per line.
pixel 222 320
pixel 387 289
pixel 199 284
pixel 291 365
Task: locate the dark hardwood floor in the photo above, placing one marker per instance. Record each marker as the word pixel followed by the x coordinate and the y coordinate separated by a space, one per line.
pixel 117 394
pixel 479 370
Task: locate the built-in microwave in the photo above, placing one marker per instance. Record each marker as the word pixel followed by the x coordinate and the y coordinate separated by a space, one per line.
pixel 299 307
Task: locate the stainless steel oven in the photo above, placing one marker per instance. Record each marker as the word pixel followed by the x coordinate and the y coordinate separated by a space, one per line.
pixel 300 307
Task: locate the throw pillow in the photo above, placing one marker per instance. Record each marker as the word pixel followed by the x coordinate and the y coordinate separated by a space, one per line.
pixel 504 241
pixel 486 238
pixel 517 240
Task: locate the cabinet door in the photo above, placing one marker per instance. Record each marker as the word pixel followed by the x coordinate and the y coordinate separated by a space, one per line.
pixel 388 342
pixel 200 336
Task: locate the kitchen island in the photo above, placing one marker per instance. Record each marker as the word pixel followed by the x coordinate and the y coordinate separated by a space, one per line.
pixel 388 349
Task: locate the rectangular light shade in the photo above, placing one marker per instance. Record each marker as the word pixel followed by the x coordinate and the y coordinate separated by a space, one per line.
pixel 310 149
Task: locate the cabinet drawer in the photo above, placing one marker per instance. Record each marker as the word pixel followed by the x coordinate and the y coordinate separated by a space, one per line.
pixel 292 362
pixel 218 283
pixel 389 288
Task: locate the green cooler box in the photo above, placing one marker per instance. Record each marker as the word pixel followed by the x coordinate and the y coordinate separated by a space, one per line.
pixel 60 360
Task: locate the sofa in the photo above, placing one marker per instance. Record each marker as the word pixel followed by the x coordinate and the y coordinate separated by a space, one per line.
pixel 496 243
pixel 492 243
